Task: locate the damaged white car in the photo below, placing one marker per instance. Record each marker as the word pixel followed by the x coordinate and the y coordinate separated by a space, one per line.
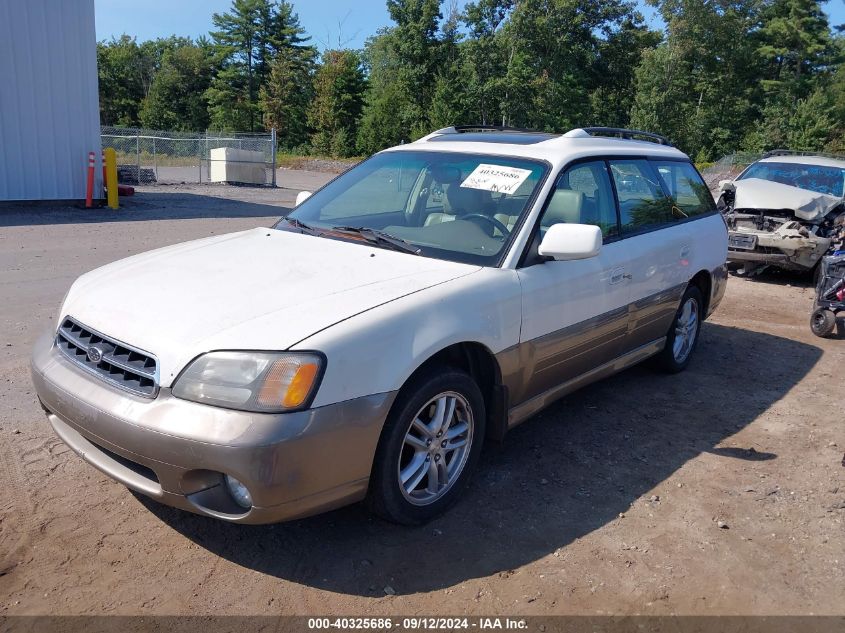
pixel 786 210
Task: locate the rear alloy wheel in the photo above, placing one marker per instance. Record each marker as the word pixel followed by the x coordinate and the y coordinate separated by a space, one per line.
pixel 822 322
pixel 429 446
pixel 683 335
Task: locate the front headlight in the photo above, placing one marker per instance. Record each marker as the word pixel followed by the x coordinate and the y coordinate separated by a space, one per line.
pixel 265 382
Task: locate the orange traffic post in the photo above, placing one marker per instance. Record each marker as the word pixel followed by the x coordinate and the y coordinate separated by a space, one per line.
pixel 111 176
pixel 89 189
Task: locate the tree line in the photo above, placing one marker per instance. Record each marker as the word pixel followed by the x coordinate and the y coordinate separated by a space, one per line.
pixel 721 76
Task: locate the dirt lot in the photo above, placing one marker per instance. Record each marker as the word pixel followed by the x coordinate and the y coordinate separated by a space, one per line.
pixel 609 502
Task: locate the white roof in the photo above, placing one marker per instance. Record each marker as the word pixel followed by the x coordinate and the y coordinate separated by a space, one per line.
pixel 822 161
pixel 556 150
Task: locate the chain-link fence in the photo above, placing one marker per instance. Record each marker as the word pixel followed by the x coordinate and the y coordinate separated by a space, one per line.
pixel 727 168
pixel 152 156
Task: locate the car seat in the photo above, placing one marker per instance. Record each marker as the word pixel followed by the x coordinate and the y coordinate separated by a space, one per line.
pixel 461 201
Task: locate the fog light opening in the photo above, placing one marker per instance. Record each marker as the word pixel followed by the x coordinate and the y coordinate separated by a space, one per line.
pixel 239 492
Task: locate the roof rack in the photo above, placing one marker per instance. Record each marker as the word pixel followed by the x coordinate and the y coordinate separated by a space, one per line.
pixel 631 135
pixel 793 152
pixel 463 129
pixel 481 128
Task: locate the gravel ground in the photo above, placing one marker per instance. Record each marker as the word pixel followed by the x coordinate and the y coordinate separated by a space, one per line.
pixel 717 491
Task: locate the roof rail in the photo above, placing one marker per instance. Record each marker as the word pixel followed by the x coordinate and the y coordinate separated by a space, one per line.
pixel 793 152
pixel 631 135
pixel 463 129
pixel 466 129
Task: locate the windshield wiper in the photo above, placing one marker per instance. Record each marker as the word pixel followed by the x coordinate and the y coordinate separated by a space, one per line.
pixel 380 238
pixel 301 225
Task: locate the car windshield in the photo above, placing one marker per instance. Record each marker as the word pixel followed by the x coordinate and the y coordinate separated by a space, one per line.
pixel 447 205
pixel 817 178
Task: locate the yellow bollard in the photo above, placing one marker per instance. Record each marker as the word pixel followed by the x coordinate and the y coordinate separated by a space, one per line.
pixel 111 177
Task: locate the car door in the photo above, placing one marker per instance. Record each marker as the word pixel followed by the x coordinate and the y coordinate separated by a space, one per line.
pixel 657 247
pixel 574 313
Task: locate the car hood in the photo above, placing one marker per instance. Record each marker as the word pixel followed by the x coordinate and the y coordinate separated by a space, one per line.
pixel 755 193
pixel 258 289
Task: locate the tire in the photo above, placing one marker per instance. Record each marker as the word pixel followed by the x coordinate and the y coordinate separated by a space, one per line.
pixel 403 486
pixel 686 324
pixel 822 322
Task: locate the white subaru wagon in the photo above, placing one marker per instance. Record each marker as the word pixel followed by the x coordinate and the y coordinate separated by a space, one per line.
pixel 365 346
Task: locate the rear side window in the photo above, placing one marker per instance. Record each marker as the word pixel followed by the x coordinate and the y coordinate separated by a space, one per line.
pixel 642 203
pixel 685 186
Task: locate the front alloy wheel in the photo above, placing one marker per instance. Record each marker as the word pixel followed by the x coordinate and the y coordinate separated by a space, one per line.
pixel 436 448
pixel 428 448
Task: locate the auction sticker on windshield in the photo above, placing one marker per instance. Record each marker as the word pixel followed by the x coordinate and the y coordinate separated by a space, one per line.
pixel 496 178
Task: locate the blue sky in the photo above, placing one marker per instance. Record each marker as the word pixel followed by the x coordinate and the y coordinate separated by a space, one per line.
pixel 329 22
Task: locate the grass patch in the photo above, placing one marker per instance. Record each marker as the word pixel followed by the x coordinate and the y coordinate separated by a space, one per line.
pixel 304 161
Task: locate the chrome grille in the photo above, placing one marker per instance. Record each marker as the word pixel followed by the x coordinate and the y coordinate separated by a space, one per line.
pixel 113 361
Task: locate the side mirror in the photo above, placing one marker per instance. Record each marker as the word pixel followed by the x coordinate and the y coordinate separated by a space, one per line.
pixel 301 197
pixel 726 185
pixel 564 242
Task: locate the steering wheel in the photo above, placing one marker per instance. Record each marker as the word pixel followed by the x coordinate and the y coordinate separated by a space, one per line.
pixel 502 228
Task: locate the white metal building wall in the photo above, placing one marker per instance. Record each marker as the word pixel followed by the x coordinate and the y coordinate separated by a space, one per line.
pixel 49 106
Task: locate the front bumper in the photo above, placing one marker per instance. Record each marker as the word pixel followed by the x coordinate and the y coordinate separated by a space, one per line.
pixel 784 249
pixel 175 451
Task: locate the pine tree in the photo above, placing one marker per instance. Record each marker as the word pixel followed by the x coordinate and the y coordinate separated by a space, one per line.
pixel 796 45
pixel 248 39
pixel 286 96
pixel 334 114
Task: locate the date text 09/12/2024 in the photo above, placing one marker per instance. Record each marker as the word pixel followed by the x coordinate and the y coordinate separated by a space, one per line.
pixel 417 623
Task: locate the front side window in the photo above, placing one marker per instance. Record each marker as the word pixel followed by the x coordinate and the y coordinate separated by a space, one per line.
pixel 686 187
pixel 456 206
pixel 642 203
pixel 583 195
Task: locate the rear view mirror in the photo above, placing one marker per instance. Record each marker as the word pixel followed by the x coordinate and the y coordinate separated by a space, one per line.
pixel 564 242
pixel 301 197
pixel 725 185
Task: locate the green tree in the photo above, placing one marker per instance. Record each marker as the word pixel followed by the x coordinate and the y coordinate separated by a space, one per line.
pixel 450 100
pixel 797 55
pixel 248 38
pixel 339 86
pixel 176 98
pixel 560 42
pixel 796 45
pixel 126 71
pixel 614 86
pixel 485 56
pixel 402 64
pixel 700 86
pixel 836 86
pixel 286 96
pixel 233 95
pixel 809 124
